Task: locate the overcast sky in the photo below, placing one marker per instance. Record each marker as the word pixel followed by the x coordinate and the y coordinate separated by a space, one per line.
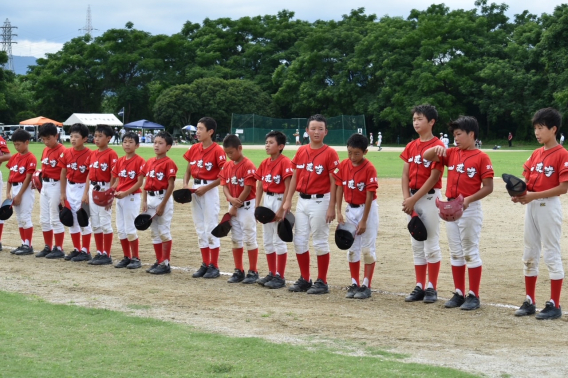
pixel 43 26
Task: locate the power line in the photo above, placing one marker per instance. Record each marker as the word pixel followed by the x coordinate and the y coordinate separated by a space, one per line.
pixel 7 43
pixel 88 28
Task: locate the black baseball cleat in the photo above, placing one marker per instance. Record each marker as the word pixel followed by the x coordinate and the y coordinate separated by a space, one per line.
pixel 55 253
pixel 103 259
pixel 162 268
pixel 72 255
pixel 97 256
pixel 201 271
pixel 526 309
pixel 123 263
pixel 251 277
pixel 416 295
pixel 25 250
pixel 237 276
pixel 152 267
pixel 471 303
pixel 276 282
pixel 13 251
pixel 44 252
pixel 300 285
pixel 262 281
pixel 456 301
pixel 430 295
pixel 363 292
pixel 82 256
pixel 351 290
pixel 212 272
pixel 549 312
pixel 134 263
pixel 319 287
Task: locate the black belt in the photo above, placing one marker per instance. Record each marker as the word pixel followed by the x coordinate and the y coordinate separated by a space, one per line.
pixel 309 196
pixel 451 199
pixel 354 206
pixel 47 179
pixel 156 193
pixel 413 191
pixel 273 194
pixel 199 181
pixel 246 203
pixel 74 183
pixel 17 183
pixel 99 183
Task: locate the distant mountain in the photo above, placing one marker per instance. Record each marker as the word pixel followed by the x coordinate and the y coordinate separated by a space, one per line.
pixel 21 64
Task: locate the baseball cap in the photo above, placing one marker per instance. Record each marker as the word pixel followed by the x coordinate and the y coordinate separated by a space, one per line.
pixel 515 186
pixel 345 235
pixel 183 195
pixel 286 227
pixel 83 215
pixel 223 227
pixel 65 215
pixel 103 198
pixel 450 211
pixel 417 228
pixel 6 209
pixel 264 215
pixel 143 221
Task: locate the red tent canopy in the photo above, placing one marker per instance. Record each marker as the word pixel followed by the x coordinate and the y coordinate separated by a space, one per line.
pixel 38 121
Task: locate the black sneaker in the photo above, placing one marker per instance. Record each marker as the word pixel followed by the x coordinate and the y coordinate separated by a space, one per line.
pixel 363 292
pixel 526 308
pixel 351 290
pixel 416 295
pixel 549 312
pixel 251 277
pixel 55 253
pixel 72 255
pixel 212 272
pixel 430 295
pixel 262 281
pixel 97 256
pixel 123 263
pixel 300 285
pixel 25 250
pixel 154 266
pixel 319 287
pixel 82 256
pixel 44 252
pixel 456 301
pixel 0 246
pixel 13 251
pixel 471 303
pixel 238 276
pixel 201 271
pixel 276 282
pixel 162 268
pixel 134 263
pixel 103 259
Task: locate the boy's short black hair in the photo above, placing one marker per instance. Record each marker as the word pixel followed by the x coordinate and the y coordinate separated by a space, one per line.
pixel 48 129
pixel 165 136
pixel 105 129
pixel 428 111
pixel 79 128
pixel 358 141
pixel 278 136
pixel 318 118
pixel 131 135
pixel 231 141
pixel 465 123
pixel 209 123
pixel 548 117
pixel 20 135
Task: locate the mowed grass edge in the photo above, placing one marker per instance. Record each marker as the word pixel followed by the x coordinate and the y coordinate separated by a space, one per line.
pixel 40 339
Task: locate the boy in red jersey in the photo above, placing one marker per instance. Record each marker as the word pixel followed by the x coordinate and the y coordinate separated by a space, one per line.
pixel 239 187
pixel 421 185
pixel 546 175
pixel 470 173
pixel 50 193
pixel 101 163
pixel 313 178
pixel 160 172
pixel 74 163
pixel 356 179
pixel 274 175
pixel 204 162
pixel 5 155
pixel 22 166
pixel 127 187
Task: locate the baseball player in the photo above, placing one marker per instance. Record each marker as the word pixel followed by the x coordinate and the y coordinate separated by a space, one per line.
pixel 127 192
pixel 5 155
pixel 356 180
pixel 50 193
pixel 101 162
pixel 204 162
pixel 274 175
pixel 74 164
pixel 22 166
pixel 446 141
pixel 313 179
pixel 371 139
pixel 421 185
pixel 546 175
pixel 470 173
pixel 379 140
pixel 160 172
pixel 239 187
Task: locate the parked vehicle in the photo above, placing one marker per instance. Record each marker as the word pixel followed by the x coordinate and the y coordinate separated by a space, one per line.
pixel 62 136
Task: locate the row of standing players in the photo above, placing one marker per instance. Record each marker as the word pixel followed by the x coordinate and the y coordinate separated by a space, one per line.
pixel 71 175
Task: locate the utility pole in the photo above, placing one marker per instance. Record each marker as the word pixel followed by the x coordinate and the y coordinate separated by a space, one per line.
pixel 7 43
pixel 88 28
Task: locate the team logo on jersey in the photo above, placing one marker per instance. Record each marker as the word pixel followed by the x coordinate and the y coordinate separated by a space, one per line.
pixel 459 168
pixel 21 170
pixel 51 163
pixel 200 164
pixel 489 167
pixel 300 166
pixel 73 166
pixel 104 166
pixel 192 162
pixel 241 182
pixel 222 157
pixel 451 168
pixel 417 159
pixel 132 175
pixel 82 168
pixel 351 184
pixel 268 178
pixel 471 172
pixel 548 171
pixel 539 167
pixel 208 166
pixel 123 173
pixel 95 165
pixel 160 176
pixel 151 174
pixel 310 167
pixel 426 163
pixel 319 169
pixel 361 186
pixel 277 179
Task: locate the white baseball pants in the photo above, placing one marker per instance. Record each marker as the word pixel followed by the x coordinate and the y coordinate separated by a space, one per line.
pixel 243 226
pixel 24 209
pixel 271 240
pixel 160 227
pixel 49 200
pixel 74 196
pixel 428 251
pixel 366 242
pixel 310 221
pixel 463 237
pixel 127 209
pixel 101 219
pixel 205 211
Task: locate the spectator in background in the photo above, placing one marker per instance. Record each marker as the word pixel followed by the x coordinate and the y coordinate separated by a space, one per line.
pixel 306 139
pixel 510 138
pixel 561 139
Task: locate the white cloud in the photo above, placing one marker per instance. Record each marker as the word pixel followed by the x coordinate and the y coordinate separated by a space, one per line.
pixel 37 49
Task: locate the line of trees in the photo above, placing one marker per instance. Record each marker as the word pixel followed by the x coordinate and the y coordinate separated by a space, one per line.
pixel 476 62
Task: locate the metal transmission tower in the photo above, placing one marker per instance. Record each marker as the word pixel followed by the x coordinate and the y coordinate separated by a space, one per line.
pixel 88 28
pixel 7 43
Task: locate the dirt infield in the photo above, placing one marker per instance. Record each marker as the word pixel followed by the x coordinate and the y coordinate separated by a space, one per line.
pixel 490 341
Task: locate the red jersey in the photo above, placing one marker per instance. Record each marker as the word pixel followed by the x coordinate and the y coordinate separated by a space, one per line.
pixel 20 166
pixel 546 169
pixel 206 163
pixel 419 169
pixel 76 163
pixel 49 158
pixel 127 171
pixel 466 171
pixel 158 172
pixel 313 168
pixel 3 147
pixel 357 181
pixel 236 176
pixel 101 164
pixel 272 173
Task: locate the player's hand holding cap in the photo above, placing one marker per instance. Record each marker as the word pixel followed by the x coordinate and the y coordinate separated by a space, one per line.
pixel 83 215
pixel 104 198
pixel 6 209
pixel 416 228
pixel 452 210
pixel 36 180
pixel 143 221
pixel 264 215
pixel 515 186
pixel 183 195
pixel 285 228
pixel 345 235
pixel 223 227
pixel 66 215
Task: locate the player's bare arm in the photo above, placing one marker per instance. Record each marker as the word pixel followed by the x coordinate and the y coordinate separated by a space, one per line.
pixel 330 216
pixel 5 157
pixel 339 203
pixel 287 204
pixel 244 194
pixel 132 189
pixel 405 182
pixel 434 153
pixel 362 226
pixel 18 198
pixel 85 198
pixel 232 200
pixel 259 193
pixel 9 190
pixel 187 176
pixel 553 192
pixel 281 213
pixel 63 186
pixel 205 188
pixel 409 203
pixel 161 207
pixel 486 189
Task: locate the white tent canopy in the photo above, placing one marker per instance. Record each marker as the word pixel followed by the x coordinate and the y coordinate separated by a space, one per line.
pixel 93 119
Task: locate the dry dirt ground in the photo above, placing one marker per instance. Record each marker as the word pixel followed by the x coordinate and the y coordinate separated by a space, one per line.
pixel 490 341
